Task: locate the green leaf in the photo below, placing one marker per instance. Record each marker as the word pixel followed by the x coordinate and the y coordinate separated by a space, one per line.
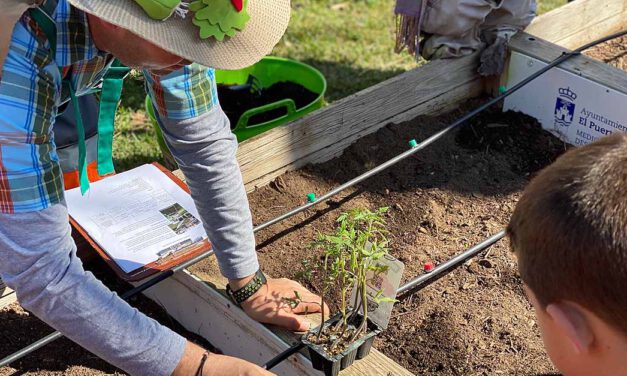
pixel 195 6
pixel 208 30
pixel 224 14
pixel 218 18
pixel 204 13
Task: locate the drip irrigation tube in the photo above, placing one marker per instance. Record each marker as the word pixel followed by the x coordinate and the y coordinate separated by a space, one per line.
pixel 565 56
pixel 283 356
pixel 443 269
pixel 415 148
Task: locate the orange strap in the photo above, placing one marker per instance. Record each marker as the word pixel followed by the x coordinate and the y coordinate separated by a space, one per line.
pixel 71 180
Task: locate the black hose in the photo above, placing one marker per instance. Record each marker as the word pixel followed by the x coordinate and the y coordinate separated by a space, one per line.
pixel 283 356
pixel 443 269
pixel 165 275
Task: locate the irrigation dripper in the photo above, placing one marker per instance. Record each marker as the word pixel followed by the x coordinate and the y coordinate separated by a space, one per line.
pixel 437 272
pixel 413 143
pixel 311 197
pixel 428 267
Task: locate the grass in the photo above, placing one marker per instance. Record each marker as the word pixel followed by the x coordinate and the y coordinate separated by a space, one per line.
pixel 351 42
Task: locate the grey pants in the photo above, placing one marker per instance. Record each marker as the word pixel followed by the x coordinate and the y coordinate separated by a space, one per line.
pixel 458 26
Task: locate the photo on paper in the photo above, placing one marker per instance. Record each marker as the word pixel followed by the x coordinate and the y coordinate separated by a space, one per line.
pixel 173 249
pixel 180 219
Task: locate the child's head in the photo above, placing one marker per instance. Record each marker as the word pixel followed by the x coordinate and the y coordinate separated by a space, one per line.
pixel 569 233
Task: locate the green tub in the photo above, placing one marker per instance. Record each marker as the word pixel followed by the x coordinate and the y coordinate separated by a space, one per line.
pixel 268 71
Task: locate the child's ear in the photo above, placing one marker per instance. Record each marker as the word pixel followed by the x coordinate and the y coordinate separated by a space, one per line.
pixel 571 320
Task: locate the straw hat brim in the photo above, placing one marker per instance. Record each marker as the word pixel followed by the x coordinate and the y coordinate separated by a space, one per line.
pixel 267 24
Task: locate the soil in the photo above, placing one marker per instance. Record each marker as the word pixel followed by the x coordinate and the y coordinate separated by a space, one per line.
pixel 452 195
pixel 236 102
pixel 613 52
pixel 328 340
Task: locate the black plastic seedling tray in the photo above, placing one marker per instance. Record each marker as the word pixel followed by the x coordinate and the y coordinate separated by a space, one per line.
pixel 332 365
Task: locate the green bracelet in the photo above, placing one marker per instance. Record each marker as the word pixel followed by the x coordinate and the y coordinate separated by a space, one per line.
pixel 254 285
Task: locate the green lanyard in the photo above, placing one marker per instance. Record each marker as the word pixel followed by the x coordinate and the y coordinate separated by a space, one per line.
pixel 109 98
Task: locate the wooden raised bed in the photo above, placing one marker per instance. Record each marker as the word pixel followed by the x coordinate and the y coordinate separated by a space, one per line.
pixel 432 89
pixel 439 86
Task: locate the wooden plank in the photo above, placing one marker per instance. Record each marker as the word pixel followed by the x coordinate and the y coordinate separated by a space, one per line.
pixel 580 22
pixel 429 90
pixel 582 65
pixel 7 296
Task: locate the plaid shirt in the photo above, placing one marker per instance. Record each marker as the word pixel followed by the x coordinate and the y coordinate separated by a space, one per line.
pixel 31 93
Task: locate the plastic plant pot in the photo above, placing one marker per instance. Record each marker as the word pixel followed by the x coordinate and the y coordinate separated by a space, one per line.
pixel 331 365
pixel 269 71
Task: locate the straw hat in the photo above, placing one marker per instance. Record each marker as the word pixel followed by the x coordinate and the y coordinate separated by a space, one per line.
pixel 178 34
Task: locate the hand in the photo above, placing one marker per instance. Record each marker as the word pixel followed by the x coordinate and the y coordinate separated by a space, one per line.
pixel 277 303
pixel 221 365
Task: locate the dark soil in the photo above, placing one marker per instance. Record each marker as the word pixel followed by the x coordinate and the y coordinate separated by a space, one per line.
pixel 236 102
pixel 452 195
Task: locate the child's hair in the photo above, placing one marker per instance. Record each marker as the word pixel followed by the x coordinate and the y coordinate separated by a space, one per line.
pixel 569 230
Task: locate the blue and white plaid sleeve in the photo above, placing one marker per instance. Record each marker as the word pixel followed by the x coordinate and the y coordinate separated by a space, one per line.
pixel 30 175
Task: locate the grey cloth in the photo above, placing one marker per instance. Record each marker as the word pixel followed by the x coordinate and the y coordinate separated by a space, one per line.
pixel 460 27
pixel 38 256
pixel 205 150
pixel 38 260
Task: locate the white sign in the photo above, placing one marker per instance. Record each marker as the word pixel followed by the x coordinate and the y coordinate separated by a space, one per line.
pixel 575 109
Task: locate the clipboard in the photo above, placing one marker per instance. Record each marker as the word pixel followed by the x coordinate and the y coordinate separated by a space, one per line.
pixel 164 263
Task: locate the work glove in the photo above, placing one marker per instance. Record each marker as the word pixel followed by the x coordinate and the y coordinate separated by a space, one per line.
pixel 492 61
pixel 498 28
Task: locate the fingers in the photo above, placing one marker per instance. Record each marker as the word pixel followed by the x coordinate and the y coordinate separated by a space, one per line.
pixel 289 321
pixel 310 303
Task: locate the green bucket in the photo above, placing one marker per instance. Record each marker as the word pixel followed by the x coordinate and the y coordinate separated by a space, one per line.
pixel 269 71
